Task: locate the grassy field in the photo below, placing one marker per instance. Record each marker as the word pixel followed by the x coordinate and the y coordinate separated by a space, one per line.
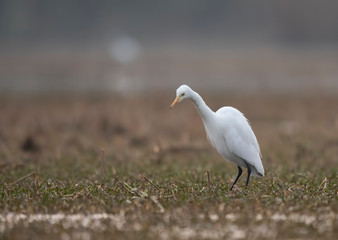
pixel 102 167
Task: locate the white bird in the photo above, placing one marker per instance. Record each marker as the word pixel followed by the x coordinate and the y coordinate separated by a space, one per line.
pixel 229 132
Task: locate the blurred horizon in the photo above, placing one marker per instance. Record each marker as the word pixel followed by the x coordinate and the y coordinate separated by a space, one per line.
pixel 139 46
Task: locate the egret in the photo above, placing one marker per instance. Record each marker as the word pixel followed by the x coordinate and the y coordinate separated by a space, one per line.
pixel 229 132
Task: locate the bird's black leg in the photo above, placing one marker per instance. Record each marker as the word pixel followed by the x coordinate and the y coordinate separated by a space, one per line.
pixel 239 174
pixel 249 173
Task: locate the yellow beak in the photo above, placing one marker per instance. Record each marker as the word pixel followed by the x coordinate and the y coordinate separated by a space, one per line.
pixel 175 101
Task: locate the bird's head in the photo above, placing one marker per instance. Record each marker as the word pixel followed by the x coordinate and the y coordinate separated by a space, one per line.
pixel 183 92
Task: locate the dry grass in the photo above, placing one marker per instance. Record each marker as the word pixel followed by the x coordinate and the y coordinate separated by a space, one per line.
pixel 158 178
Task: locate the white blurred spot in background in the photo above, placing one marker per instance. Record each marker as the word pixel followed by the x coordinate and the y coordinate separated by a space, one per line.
pixel 125 49
pixel 122 79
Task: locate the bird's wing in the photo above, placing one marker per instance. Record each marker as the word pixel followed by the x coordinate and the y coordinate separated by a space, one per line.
pixel 239 137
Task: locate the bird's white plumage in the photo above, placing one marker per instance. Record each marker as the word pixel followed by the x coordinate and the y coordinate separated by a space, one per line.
pixel 240 141
pixel 228 131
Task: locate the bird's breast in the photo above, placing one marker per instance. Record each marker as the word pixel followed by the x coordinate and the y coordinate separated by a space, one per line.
pixel 218 141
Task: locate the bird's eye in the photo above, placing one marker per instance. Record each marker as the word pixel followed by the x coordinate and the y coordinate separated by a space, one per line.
pixel 182 94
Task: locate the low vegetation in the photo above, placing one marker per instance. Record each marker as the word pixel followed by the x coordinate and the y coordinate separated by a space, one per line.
pixel 127 168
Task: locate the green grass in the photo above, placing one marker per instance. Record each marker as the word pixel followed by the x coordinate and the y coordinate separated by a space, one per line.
pixel 182 194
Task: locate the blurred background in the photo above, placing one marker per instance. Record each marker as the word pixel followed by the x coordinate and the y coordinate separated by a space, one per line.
pixel 128 47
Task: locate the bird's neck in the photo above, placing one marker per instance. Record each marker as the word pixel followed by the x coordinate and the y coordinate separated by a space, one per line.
pixel 206 113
